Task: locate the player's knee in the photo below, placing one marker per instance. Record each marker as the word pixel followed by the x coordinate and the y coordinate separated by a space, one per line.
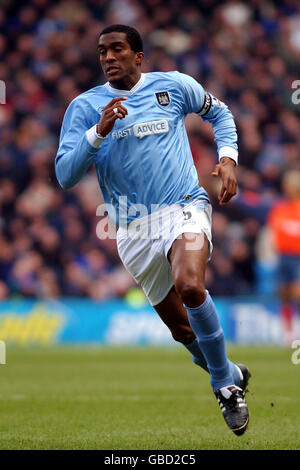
pixel 191 291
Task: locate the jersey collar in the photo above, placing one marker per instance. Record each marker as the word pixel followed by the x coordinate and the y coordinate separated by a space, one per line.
pixel 135 88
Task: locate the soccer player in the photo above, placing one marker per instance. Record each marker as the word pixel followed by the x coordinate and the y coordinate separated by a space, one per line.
pixel 132 129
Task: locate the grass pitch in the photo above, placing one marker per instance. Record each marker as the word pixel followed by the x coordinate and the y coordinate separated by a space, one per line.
pixel 141 398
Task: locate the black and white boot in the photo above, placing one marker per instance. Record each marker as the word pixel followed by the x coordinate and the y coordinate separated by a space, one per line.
pixel 233 405
pixel 244 375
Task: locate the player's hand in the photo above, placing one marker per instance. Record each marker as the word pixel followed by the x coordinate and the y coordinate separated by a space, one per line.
pixel 113 110
pixel 225 169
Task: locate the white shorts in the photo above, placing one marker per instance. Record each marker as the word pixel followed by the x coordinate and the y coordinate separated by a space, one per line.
pixel 144 245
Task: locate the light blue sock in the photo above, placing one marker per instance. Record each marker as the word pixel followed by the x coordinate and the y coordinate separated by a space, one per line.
pixel 235 374
pixel 197 356
pixel 199 359
pixel 205 323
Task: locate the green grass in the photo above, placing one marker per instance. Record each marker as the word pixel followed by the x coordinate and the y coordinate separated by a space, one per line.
pixel 141 399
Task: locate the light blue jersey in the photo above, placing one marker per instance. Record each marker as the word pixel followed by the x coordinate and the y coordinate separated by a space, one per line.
pixel 145 161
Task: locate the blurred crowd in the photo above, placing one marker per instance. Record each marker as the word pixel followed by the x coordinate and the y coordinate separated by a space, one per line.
pixel 245 53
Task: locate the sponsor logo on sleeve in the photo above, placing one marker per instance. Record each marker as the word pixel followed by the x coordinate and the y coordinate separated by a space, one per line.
pixel 216 101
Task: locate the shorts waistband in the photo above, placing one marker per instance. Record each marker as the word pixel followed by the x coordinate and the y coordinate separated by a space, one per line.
pixel 154 217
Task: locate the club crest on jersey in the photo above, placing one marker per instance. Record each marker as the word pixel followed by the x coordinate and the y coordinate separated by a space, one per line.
pixel 163 98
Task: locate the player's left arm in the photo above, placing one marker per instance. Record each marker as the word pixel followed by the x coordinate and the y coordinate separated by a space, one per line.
pixel 210 109
pixel 224 129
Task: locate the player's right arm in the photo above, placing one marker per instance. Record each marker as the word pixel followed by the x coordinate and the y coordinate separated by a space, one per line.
pixel 79 142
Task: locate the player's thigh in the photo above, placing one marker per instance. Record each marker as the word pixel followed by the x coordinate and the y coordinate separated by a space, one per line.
pixel 188 257
pixel 174 315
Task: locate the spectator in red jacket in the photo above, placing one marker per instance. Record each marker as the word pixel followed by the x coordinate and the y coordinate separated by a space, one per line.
pixel 284 223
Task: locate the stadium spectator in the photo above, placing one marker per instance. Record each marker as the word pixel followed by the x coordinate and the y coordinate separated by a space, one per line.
pixel 284 224
pixel 47 57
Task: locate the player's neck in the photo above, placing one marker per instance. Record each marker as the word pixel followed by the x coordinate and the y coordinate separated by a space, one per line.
pixel 127 82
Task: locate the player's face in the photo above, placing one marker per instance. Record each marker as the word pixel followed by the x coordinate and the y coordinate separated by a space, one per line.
pixel 118 61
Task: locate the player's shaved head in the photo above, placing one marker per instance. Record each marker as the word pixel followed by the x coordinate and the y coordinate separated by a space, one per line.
pixel 132 35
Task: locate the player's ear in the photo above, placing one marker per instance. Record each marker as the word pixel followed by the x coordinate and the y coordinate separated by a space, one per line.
pixel 139 57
